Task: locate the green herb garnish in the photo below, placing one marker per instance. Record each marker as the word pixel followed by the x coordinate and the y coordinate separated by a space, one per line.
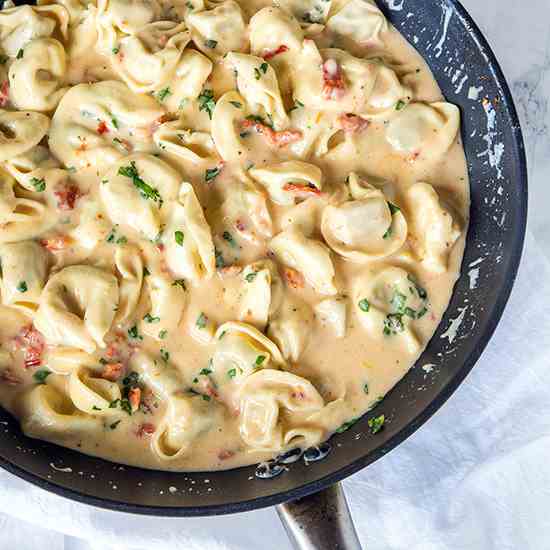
pixel 211 174
pixel 39 184
pixel 211 43
pixel 236 104
pixel 133 333
pixel 346 425
pixel 41 375
pixel 165 355
pixel 251 276
pixel 20 53
pixel 201 320
pixel 232 373
pixel 376 423
pixel 150 319
pixel 163 94
pixel 207 102
pixel 147 191
pixel 393 324
pixel 114 424
pixel 400 105
pixel 22 286
pixel 178 237
pixel 364 305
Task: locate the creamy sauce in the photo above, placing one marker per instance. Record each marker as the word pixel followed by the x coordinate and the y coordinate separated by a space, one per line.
pixel 198 407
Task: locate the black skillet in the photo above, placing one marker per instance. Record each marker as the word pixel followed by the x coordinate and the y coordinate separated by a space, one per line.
pixel 448 39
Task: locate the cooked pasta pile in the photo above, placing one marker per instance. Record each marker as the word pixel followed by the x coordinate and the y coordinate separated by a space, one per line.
pixel 227 228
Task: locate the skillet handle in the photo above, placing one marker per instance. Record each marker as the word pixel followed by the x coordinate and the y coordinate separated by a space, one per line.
pixel 320 521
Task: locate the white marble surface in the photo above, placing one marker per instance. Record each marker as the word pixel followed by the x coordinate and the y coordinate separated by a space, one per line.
pixel 520 36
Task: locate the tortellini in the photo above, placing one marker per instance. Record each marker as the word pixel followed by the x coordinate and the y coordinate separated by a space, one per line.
pixel 129 264
pixel 147 59
pixel 257 82
pixel 241 350
pixel 134 192
pixel 92 394
pixel 308 256
pixel 219 30
pixel 277 37
pixel 333 80
pixel 226 121
pixel 366 227
pixel 189 145
pixel 23 275
pixel 333 311
pixel 47 412
pixel 20 131
pixel 187 238
pixel 358 20
pixel 387 303
pixel 168 301
pixel 275 406
pixel 424 130
pixel 288 181
pixel 318 130
pixel 23 215
pixel 122 16
pixel 97 124
pixel 434 231
pixel 187 416
pixel 290 328
pixel 21 24
pixel 36 79
pixel 77 307
pixel 262 293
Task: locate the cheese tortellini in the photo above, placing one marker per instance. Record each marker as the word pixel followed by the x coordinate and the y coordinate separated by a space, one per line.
pixel 388 303
pixel 275 406
pixel 308 256
pixel 36 80
pixel 23 276
pixel 424 130
pixel 366 227
pixel 135 190
pixel 434 231
pixel 97 124
pixel 77 307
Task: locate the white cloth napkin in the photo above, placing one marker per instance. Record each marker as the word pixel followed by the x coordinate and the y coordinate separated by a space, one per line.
pixel 476 476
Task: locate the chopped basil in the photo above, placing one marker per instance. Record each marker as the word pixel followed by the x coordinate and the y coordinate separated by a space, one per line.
pixel 393 208
pixel 206 398
pixel 422 294
pixel 114 122
pixel 232 373
pixel 242 135
pixel 257 73
pixel 3 59
pixel 398 301
pixel 133 333
pixel 146 190
pixel 207 102
pixel 122 240
pixel 94 408
pixel 222 334
pixel 263 67
pixel 211 174
pixel 146 272
pixel 211 43
pixel 20 53
pixel 165 355
pixel 297 104
pixel 178 237
pixel 115 50
pixel 400 105
pixel 346 425
pixel 220 262
pixel 41 375
pixel 22 286
pixel 422 312
pixel 364 305
pixel 376 423
pixel 259 360
pixel 387 234
pixel 162 334
pixel 39 184
pixel 229 238
pixel 205 372
pixel 163 94
pixel 179 282
pixel 150 319
pixel 366 388
pixel 114 424
pixel 201 320
pixel 393 324
pixel 251 276
pixel 236 104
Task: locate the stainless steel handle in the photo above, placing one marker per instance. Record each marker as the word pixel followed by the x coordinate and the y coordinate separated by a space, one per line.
pixel 320 521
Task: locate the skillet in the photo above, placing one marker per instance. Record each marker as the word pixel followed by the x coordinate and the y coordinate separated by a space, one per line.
pixel 311 506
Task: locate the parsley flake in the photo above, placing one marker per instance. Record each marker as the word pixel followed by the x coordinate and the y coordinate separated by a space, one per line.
pixel 207 102
pixel 41 375
pixel 178 237
pixel 211 174
pixel 364 305
pixel 22 286
pixel 39 184
pixel 211 43
pixel 146 190
pixel 201 320
pixel 376 423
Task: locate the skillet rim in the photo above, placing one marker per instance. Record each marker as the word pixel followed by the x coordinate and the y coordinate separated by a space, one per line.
pixel 415 423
